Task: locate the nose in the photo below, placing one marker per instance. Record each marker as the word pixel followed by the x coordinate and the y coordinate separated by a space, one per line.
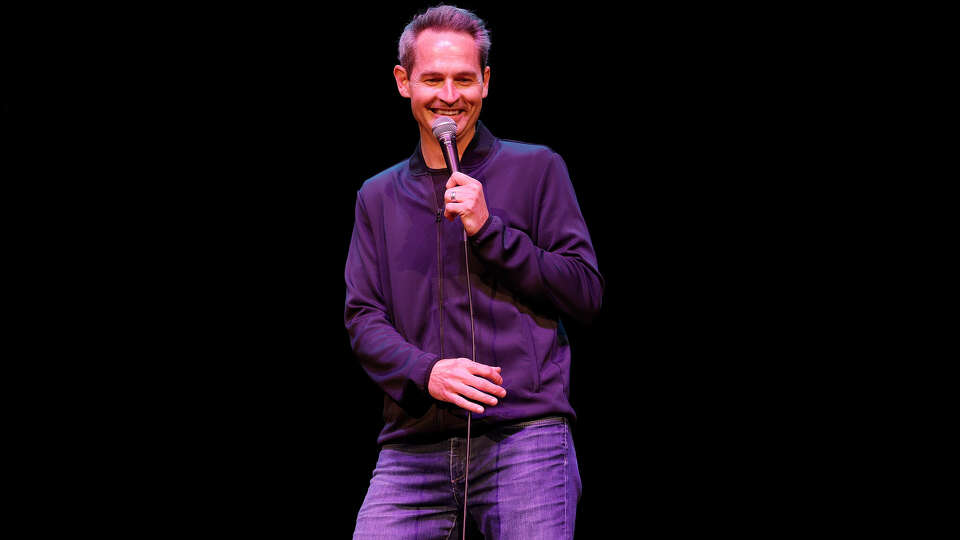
pixel 449 94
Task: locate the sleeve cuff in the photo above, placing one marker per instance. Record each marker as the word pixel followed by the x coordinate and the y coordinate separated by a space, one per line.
pixel 485 232
pixel 422 379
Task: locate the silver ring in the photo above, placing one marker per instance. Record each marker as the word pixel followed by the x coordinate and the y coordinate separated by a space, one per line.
pixel 453 195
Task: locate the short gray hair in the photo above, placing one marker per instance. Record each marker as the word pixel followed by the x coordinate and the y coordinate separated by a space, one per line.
pixel 440 18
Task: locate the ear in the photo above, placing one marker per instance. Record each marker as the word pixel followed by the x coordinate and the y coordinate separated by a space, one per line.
pixel 403 83
pixel 486 80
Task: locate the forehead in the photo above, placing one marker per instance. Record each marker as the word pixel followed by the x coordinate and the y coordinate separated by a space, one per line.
pixel 446 51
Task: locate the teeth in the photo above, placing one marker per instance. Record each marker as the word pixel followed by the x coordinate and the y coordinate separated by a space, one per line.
pixel 446 113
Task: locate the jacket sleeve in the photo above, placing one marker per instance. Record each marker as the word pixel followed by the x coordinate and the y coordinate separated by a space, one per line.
pixel 561 267
pixel 399 368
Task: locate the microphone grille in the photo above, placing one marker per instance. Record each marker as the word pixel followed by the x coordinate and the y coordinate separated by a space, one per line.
pixel 444 125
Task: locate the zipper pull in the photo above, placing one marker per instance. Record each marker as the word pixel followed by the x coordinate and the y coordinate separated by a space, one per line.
pixel 439 215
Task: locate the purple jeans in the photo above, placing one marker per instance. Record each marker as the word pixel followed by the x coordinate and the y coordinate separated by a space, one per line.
pixel 524 483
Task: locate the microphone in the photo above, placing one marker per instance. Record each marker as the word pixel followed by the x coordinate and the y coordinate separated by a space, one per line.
pixel 445 130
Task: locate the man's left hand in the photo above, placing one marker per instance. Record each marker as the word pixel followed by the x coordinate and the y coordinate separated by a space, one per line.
pixel 464 198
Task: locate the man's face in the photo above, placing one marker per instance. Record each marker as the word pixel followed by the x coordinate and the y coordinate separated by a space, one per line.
pixel 446 81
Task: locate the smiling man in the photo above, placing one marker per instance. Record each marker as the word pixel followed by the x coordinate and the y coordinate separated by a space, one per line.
pixel 416 303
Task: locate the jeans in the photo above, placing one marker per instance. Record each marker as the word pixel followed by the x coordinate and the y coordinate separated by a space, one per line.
pixel 524 484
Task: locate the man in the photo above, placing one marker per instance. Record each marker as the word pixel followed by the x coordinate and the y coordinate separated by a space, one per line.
pixel 411 316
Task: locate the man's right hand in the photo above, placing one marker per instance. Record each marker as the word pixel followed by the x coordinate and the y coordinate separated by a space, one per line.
pixel 454 379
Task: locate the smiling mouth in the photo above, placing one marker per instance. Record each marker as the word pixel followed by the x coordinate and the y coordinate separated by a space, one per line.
pixel 446 112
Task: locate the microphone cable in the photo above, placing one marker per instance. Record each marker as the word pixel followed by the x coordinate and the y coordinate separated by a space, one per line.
pixel 445 130
pixel 473 340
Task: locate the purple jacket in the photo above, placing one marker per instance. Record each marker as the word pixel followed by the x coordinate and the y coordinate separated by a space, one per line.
pixel 530 263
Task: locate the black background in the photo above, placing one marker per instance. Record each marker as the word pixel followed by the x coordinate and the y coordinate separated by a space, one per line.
pixel 217 155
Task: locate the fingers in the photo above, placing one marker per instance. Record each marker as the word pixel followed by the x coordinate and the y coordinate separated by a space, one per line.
pixel 472 393
pixel 464 404
pixel 466 392
pixel 461 187
pixel 487 372
pixel 451 210
pixel 457 202
pixel 488 387
pixel 459 179
pixel 458 195
pixel 483 370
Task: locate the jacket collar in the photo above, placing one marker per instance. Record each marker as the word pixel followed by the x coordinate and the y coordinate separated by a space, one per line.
pixel 475 154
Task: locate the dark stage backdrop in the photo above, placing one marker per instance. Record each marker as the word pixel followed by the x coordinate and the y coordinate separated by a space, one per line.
pixel 238 140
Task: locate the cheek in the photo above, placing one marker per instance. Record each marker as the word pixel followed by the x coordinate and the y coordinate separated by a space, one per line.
pixel 420 104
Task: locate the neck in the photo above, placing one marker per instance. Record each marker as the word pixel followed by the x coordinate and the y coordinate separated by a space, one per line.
pixel 433 154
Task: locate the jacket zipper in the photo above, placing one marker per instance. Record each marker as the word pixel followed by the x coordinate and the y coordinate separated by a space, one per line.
pixel 439 269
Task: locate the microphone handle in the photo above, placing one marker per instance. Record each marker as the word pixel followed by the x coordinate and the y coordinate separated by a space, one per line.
pixel 449 145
